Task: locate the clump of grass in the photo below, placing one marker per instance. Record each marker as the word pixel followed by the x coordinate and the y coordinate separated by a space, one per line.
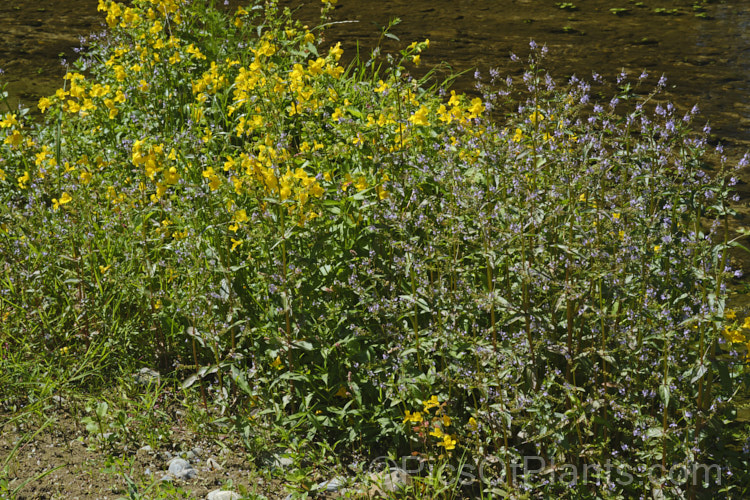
pixel 322 251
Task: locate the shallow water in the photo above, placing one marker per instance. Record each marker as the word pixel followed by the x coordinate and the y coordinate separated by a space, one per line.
pixel 36 35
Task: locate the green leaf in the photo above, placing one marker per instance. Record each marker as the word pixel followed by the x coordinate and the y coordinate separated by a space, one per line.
pixel 664 394
pixel 699 372
pixel 654 432
pixel 239 379
pixel 189 381
pixel 101 409
pixel 355 112
pixel 303 344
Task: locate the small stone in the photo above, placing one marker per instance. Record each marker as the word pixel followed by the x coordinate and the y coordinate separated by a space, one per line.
pixel 146 376
pixel 180 468
pixel 223 495
pixel 389 481
pixel 186 474
pixel 212 464
pixel 190 455
pixel 282 462
pixel 178 464
pixel 146 449
pixel 334 484
pixel 197 451
pixel 166 478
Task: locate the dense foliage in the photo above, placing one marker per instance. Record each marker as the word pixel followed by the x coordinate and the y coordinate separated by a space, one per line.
pixel 359 259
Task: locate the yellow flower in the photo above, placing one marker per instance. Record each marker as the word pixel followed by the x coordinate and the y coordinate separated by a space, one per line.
pixel 746 323
pixel 473 425
pixel 14 139
pixel 448 443
pixel 235 244
pixel 431 403
pixel 120 72
pixel 240 215
pixel 72 106
pixel 476 107
pixel 415 417
pixel 171 176
pixel 382 87
pixel 44 103
pixel 730 314
pixel 518 136
pixel 437 432
pixel 277 363
pixel 65 198
pixel 536 117
pixel 8 121
pixel 733 336
pixel 657 248
pixel 420 117
pixel 417 60
pixel 336 51
pixel 316 67
pixel 85 177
